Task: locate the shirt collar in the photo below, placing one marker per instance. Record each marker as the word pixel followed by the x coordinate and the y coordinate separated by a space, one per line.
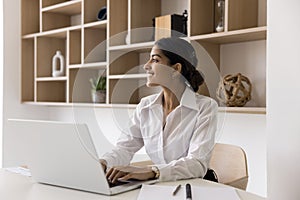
pixel 188 99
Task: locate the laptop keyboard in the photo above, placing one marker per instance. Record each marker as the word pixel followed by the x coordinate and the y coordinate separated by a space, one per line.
pixel 118 183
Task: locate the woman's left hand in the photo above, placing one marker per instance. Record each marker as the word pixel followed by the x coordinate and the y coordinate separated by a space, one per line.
pixel 124 173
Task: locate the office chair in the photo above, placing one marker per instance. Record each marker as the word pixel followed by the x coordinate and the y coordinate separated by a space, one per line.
pixel 230 164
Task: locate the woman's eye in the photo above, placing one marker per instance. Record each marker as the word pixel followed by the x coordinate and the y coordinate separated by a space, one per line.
pixel 155 60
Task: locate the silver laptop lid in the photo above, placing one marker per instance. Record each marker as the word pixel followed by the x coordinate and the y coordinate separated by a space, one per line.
pixel 63 154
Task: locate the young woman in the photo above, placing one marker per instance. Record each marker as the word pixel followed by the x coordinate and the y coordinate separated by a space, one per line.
pixel 177 126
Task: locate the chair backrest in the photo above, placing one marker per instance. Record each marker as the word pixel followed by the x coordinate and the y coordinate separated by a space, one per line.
pixel 230 164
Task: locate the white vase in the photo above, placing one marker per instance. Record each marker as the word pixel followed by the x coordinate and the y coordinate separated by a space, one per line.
pixel 58 58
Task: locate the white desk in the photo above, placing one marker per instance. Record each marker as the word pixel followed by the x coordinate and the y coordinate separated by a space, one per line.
pixel 18 187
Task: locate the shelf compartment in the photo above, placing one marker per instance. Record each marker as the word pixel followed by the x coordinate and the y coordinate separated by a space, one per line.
pixel 80 86
pixel 124 91
pixel 201 19
pixel 91 9
pixel 241 14
pixel 28 63
pixel 126 63
pixel 46 49
pixel 94 49
pixel 75 47
pixel 30 20
pixel 129 91
pixel 61 15
pixel 141 20
pixel 118 22
pixel 51 91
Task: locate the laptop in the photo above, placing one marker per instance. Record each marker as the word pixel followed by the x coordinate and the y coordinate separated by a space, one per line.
pixel 63 154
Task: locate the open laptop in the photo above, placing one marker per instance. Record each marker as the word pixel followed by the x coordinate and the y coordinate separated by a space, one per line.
pixel 63 154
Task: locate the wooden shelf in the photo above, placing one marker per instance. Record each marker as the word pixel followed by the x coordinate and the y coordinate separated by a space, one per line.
pixel 98 24
pixel 97 65
pixel 117 46
pixel 250 34
pixel 138 46
pixel 67 8
pixel 56 33
pixel 62 78
pixel 129 76
pixel 245 110
pixel 97 105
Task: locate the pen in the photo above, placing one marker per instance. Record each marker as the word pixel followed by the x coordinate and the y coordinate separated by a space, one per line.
pixel 176 190
pixel 188 191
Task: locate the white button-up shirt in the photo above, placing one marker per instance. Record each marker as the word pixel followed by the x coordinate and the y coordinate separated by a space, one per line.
pixel 182 149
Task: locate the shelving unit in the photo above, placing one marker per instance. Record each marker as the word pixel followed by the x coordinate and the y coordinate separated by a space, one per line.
pixel 117 46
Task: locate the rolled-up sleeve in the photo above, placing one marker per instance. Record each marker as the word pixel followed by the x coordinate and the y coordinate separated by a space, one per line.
pixel 196 162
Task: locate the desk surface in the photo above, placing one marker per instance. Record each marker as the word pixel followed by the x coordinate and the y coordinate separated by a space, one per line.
pixel 18 187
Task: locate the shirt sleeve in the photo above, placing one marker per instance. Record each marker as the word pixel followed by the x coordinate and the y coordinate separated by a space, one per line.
pixel 196 162
pixel 129 142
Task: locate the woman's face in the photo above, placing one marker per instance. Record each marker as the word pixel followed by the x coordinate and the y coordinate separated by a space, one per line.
pixel 158 69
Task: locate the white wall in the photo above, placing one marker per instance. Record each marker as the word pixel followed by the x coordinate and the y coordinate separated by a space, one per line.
pixel 283 88
pixel 248 132
pixel 12 108
pixel 1 80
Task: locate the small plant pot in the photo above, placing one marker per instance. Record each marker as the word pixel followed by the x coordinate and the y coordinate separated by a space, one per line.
pixel 99 96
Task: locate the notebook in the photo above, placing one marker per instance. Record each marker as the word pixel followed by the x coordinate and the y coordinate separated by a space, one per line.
pixel 63 154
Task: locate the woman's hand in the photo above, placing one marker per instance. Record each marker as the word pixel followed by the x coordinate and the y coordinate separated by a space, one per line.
pixel 124 173
pixel 103 164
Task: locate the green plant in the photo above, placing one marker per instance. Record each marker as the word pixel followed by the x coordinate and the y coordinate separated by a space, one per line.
pixel 98 83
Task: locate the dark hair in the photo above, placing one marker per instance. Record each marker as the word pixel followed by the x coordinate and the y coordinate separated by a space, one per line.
pixel 180 51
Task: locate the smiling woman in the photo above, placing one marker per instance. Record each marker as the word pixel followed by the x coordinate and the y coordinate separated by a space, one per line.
pixel 177 126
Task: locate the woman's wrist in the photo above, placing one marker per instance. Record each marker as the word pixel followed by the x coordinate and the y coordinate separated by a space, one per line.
pixel 103 164
pixel 155 171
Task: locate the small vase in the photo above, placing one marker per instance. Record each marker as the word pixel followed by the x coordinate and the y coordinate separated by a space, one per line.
pixel 58 59
pixel 99 96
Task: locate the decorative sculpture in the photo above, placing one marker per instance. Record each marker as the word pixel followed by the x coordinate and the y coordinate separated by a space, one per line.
pixel 220 15
pixel 234 90
pixel 102 14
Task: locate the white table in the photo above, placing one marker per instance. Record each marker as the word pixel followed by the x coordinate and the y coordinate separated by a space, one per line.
pixel 18 187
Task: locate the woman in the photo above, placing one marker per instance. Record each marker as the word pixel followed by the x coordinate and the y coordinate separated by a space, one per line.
pixel 177 126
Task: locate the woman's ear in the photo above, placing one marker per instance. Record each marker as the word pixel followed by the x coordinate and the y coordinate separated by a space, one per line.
pixel 177 70
pixel 177 67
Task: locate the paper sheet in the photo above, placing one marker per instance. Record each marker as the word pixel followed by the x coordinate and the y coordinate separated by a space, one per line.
pixel 19 170
pixel 157 192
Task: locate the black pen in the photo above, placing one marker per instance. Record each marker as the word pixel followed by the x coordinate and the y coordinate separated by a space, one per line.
pixel 176 190
pixel 188 191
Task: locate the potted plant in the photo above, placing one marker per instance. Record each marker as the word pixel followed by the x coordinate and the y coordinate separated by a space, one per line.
pixel 98 90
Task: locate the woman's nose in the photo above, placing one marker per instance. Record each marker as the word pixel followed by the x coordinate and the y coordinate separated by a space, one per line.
pixel 147 66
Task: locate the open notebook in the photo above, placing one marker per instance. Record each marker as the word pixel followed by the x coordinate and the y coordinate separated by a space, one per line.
pixel 63 154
